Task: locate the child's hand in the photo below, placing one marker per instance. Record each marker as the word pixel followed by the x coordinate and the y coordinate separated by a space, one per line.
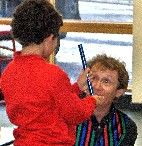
pixel 82 79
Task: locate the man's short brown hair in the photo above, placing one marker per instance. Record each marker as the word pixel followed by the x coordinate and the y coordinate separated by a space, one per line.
pixel 112 64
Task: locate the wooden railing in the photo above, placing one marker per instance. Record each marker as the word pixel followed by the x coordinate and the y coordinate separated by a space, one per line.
pixel 96 27
pixel 89 26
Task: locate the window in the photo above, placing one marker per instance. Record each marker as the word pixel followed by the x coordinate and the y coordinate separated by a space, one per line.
pixel 116 45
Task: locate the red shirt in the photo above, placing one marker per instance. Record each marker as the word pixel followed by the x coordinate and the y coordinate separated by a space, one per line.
pixel 42 103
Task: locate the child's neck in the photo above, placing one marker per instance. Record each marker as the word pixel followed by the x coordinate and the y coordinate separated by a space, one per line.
pixel 32 49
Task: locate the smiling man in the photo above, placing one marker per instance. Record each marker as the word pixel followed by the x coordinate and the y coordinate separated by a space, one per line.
pixel 108 126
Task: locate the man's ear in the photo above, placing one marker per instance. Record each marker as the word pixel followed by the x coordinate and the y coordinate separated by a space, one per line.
pixel 120 92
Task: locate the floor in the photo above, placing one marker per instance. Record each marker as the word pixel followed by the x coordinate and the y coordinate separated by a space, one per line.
pixel 6 127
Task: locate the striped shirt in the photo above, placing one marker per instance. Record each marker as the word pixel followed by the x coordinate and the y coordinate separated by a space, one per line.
pixel 111 131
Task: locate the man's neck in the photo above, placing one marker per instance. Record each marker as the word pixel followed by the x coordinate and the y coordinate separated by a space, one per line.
pixel 100 113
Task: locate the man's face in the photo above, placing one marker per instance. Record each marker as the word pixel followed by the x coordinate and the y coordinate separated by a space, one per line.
pixel 105 83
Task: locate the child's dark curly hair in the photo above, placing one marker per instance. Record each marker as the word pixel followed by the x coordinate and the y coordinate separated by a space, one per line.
pixel 34 20
pixel 104 62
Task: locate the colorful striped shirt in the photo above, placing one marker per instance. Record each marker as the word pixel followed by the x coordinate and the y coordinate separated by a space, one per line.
pixel 115 129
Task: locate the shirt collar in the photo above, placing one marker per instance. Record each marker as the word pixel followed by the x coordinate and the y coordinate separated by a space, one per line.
pixel 106 118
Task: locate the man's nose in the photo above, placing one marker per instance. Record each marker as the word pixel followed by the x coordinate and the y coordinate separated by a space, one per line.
pixel 97 84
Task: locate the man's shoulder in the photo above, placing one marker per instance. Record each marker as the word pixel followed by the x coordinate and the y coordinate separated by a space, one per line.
pixel 126 116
